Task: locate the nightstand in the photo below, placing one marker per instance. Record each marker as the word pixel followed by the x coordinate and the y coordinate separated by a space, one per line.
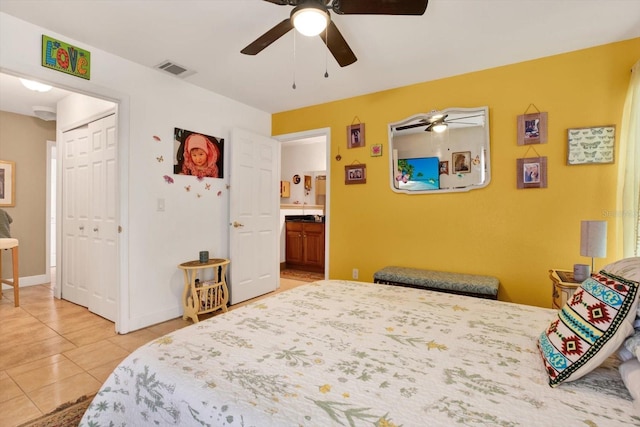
pixel 563 287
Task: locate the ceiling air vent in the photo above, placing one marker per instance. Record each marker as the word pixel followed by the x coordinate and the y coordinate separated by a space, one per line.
pixel 174 69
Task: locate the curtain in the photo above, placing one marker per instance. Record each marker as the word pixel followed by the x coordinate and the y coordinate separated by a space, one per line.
pixel 628 208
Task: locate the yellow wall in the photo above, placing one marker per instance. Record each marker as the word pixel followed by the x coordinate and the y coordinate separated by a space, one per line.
pixel 516 235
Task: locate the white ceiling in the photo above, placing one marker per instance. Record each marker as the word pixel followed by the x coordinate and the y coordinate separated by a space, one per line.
pixel 453 37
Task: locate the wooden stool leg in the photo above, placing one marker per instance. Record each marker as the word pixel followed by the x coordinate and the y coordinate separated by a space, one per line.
pixel 16 277
pixel 1 273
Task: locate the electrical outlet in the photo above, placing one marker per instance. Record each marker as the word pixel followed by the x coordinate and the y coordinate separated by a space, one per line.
pixel 354 273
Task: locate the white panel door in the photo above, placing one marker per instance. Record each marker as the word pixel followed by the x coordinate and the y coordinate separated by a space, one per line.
pixel 103 224
pixel 75 216
pixel 89 210
pixel 254 215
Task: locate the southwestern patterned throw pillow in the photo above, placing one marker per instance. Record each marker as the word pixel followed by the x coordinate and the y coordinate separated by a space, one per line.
pixel 589 328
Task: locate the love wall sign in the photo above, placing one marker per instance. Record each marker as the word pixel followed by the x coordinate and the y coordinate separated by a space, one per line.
pixel 63 57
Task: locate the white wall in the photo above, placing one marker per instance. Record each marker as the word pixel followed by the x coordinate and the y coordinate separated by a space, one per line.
pixel 302 159
pixel 150 104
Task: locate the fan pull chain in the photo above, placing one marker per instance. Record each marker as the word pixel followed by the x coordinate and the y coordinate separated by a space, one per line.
pixel 326 52
pixel 294 61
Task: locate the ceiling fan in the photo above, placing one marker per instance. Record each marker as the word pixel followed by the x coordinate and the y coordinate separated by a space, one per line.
pixel 318 11
pixel 438 122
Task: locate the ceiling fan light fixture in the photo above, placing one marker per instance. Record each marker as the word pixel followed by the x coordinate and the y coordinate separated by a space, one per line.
pixel 439 127
pixel 310 19
pixel 45 113
pixel 35 86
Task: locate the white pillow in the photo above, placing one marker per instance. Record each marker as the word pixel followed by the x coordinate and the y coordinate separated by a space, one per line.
pixel 630 372
pixel 629 268
pixel 624 354
pixel 632 344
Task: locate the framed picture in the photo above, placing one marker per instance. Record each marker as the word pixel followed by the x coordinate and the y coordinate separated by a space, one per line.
pixel 591 145
pixel 355 135
pixel 355 174
pixel 198 154
pixel 7 183
pixel 532 129
pixel 376 150
pixel 531 172
pixel 444 167
pixel 461 162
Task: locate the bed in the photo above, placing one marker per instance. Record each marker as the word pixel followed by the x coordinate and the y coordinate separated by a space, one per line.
pixel 343 353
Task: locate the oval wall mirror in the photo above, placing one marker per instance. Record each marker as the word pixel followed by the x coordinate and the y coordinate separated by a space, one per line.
pixel 441 151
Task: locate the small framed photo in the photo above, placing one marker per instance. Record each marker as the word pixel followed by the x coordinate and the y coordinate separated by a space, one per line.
pixel 355 135
pixel 532 129
pixel 376 150
pixel 444 167
pixel 591 145
pixel 461 162
pixel 531 172
pixel 7 183
pixel 355 174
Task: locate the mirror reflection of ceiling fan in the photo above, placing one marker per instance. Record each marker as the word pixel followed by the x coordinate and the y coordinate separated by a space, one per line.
pixel 439 122
pixel 313 17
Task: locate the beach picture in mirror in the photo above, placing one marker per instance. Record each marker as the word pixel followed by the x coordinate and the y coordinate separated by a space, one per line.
pixel 355 174
pixel 532 129
pixel 422 173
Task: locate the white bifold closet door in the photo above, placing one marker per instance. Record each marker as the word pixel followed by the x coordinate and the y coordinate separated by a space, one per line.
pixel 89 211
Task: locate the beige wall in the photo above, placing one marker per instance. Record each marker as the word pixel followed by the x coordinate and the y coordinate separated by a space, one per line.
pixel 23 140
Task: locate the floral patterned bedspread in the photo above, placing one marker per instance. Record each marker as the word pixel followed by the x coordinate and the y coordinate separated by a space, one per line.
pixel 341 353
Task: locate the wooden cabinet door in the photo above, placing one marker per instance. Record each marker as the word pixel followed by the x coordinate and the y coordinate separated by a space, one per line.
pixel 294 243
pixel 314 245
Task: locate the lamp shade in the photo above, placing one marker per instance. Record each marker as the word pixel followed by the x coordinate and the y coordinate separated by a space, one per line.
pixel 593 239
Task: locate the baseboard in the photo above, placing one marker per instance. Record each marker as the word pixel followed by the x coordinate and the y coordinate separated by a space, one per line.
pixel 29 281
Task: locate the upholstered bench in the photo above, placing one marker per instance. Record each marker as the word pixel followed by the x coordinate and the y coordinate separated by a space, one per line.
pixel 456 283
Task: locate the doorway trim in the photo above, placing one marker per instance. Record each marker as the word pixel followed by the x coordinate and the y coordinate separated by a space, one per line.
pixel 51 177
pixel 326 132
pixel 123 108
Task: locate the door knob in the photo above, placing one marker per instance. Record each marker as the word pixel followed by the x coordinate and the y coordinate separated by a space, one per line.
pixel 95 229
pixel 81 227
pixel 236 224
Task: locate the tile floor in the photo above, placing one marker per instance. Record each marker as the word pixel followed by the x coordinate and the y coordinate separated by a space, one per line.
pixel 53 351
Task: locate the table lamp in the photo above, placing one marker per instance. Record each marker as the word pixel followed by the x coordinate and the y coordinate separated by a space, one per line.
pixel 593 239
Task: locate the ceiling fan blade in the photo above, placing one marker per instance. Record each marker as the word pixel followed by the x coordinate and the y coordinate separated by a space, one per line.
pixel 279 2
pixel 269 37
pixel 338 46
pixel 463 123
pixel 380 7
pixel 465 117
pixel 411 126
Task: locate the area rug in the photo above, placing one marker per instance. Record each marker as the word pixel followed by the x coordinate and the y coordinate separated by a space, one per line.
pixel 304 276
pixel 66 415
